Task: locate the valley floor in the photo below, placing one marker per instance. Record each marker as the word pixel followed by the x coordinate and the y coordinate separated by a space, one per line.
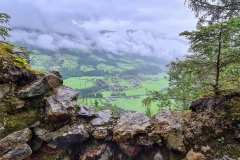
pixel 125 92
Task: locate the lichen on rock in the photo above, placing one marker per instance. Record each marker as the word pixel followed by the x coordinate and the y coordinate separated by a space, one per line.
pixel 62 105
pixel 14 139
pixel 129 124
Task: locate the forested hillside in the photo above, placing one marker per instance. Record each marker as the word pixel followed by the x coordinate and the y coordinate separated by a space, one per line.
pixel 76 63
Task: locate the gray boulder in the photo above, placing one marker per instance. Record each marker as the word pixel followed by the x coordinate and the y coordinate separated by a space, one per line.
pixel 168 127
pixel 18 153
pixel 49 81
pixel 43 134
pixel 62 105
pixel 129 124
pixel 14 139
pixel 103 117
pixel 86 111
pixel 67 136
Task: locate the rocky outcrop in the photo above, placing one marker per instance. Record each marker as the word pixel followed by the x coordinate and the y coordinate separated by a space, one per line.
pixel 102 124
pixel 43 134
pixel 21 54
pixel 86 111
pixel 41 86
pixel 19 153
pixel 129 124
pixel 14 139
pixel 103 117
pixel 69 135
pixel 39 116
pixel 62 105
pixel 168 126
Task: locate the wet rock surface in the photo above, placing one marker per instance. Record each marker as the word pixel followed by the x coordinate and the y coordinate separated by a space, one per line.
pixel 103 117
pixel 62 105
pixel 19 153
pixel 69 135
pixel 43 134
pixel 129 124
pixel 14 139
pixel 172 131
pixel 41 86
pixel 165 122
pixel 86 111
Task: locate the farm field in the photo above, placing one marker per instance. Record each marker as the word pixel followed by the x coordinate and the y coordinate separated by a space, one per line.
pixel 115 80
pixel 134 98
pixel 78 83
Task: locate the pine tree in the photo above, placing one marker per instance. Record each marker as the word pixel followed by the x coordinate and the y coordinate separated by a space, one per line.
pixel 214 10
pixel 4 19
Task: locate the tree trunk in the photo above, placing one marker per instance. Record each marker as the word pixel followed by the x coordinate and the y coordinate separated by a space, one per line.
pixel 215 86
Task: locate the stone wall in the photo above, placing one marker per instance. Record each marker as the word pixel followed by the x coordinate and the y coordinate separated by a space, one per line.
pixel 41 119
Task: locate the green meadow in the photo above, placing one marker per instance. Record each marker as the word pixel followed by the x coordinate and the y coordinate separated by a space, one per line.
pixel 131 102
pixel 78 83
pixel 84 62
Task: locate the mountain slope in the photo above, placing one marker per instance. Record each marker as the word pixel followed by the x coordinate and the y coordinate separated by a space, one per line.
pixel 75 62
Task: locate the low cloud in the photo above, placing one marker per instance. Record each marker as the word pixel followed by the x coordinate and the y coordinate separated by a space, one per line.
pixel 137 26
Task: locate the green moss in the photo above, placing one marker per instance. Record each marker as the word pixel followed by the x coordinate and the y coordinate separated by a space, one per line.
pixel 6 53
pixel 156 138
pixel 227 146
pixel 234 111
pixel 19 121
pixel 8 105
pixel 22 63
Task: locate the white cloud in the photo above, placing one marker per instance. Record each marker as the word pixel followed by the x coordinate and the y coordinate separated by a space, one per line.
pixel 54 24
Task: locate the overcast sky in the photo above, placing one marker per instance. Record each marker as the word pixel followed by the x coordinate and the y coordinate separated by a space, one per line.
pixel 153 25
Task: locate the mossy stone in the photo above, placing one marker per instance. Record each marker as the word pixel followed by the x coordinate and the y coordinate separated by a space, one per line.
pixel 19 121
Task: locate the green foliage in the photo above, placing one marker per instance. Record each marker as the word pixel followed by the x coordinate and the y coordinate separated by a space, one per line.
pixel 212 65
pixel 23 61
pixel 221 140
pixel 214 50
pixel 4 19
pixel 214 10
pixel 96 103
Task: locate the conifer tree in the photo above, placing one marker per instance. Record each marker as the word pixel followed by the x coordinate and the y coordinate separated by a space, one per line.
pixel 4 19
pixel 214 10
